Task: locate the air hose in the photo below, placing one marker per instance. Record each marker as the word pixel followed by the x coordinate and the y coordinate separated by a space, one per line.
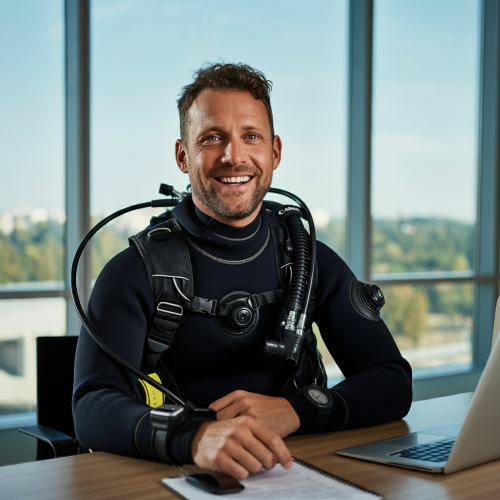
pixel 289 346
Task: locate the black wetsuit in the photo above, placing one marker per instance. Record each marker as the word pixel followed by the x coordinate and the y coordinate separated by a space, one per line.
pixel 206 362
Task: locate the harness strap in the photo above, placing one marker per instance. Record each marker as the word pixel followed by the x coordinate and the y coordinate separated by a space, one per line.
pixel 217 308
pixel 166 256
pixel 167 318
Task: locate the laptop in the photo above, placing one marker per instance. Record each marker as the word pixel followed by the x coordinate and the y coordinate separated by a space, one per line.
pixel 453 447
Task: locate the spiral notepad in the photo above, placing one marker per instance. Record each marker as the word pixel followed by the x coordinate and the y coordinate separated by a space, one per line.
pixel 301 481
pixel 361 492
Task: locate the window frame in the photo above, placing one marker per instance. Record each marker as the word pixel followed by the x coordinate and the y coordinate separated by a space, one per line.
pixel 77 162
pixel 485 275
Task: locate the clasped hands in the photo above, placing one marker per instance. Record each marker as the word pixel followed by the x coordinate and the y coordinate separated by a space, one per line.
pixel 247 436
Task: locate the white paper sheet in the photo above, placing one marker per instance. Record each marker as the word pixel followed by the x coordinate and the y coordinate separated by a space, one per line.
pixel 297 483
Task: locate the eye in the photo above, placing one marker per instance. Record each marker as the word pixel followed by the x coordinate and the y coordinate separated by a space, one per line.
pixel 252 137
pixel 211 138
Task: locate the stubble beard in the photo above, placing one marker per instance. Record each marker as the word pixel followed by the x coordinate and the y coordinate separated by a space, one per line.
pixel 211 198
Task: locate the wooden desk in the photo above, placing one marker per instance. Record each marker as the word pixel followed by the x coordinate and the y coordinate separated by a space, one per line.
pixel 101 475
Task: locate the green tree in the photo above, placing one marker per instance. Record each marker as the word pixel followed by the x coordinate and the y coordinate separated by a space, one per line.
pixel 405 312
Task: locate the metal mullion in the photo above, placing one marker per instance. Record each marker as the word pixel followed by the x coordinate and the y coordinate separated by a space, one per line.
pixel 487 237
pixel 34 294
pixel 358 228
pixel 432 281
pixel 77 87
pixel 418 275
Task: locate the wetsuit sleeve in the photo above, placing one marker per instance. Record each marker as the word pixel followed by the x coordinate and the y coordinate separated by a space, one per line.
pixel 378 384
pixel 106 415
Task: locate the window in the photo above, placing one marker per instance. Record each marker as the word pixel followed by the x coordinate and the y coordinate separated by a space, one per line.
pixel 32 191
pixel 424 170
pixel 21 322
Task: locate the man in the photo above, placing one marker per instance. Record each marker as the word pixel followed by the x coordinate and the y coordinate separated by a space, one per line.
pixel 229 150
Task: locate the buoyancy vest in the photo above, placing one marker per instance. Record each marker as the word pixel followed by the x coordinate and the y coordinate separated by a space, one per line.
pixel 171 281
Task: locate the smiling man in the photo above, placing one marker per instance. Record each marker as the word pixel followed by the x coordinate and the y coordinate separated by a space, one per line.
pixel 234 252
pixel 229 150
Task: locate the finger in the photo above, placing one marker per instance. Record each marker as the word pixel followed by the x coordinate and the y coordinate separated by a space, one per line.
pixel 257 446
pixel 225 464
pixel 235 409
pixel 227 413
pixel 228 465
pixel 245 404
pixel 223 402
pixel 272 441
pixel 261 452
pixel 237 450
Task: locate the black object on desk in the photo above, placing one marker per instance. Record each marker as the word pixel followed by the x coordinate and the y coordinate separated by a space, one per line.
pixel 218 484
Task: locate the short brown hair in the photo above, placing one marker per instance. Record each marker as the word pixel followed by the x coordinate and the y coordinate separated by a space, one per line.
pixel 225 77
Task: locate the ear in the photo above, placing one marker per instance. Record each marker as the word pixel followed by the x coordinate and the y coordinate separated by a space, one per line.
pixel 277 146
pixel 181 156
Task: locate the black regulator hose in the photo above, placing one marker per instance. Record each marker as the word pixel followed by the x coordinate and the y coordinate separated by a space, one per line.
pixel 297 288
pixel 289 346
pixel 81 313
pixel 312 240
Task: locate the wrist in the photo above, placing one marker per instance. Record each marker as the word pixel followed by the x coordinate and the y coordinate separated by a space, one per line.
pixel 292 419
pixel 197 438
pixel 174 428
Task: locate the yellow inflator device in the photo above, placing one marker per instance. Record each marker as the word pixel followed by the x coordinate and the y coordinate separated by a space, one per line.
pixel 154 397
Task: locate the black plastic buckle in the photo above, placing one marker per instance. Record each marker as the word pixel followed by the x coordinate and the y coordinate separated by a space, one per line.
pixel 199 304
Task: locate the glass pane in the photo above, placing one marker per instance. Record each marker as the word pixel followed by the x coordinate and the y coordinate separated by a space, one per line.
pixel 421 244
pixel 31 141
pixel 21 321
pixel 143 56
pixel 424 134
pixel 332 370
pixel 113 238
pixel 432 325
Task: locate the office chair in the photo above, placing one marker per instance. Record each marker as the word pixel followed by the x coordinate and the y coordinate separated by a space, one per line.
pixel 55 429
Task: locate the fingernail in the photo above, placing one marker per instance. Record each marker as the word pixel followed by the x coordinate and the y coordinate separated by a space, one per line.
pixel 288 465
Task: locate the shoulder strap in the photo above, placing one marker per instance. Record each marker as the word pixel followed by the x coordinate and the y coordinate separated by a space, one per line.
pixel 165 253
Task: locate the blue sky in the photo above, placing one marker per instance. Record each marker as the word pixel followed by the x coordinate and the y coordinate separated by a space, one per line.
pixel 143 52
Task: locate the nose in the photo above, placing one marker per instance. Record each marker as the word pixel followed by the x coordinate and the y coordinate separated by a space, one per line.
pixel 234 152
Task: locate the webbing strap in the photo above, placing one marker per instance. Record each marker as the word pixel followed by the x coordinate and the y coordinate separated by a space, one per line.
pixel 168 315
pixel 216 308
pixel 166 257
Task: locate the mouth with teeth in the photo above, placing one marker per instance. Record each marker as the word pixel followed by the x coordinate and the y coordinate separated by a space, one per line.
pixel 235 180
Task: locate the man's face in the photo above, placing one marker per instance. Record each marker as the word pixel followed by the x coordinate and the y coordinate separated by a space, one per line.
pixel 229 154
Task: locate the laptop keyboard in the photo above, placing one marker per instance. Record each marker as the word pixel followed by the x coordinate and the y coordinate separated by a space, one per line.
pixel 439 451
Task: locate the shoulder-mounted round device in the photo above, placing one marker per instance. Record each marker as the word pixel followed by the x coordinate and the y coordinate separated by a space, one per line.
pixel 366 298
